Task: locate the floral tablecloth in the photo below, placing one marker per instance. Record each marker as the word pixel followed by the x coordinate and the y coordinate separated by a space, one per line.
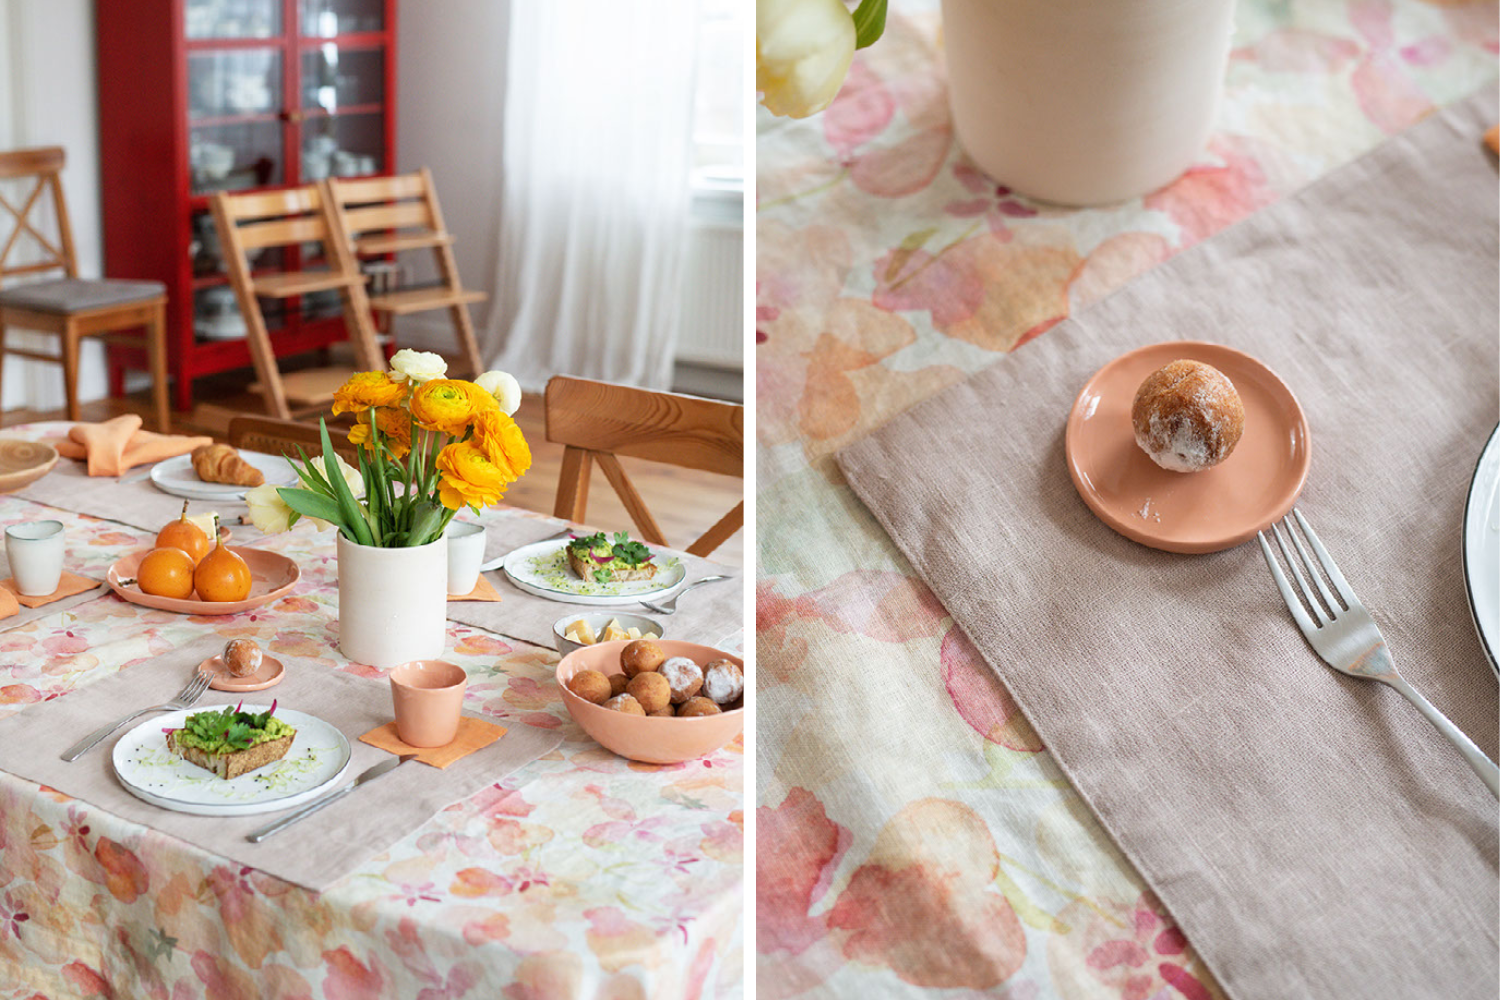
pixel 913 833
pixel 581 876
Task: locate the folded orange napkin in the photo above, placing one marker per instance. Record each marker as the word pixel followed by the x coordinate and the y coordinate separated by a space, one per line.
pixel 70 584
pixel 8 604
pixel 473 734
pixel 483 591
pixel 118 445
pixel 1492 139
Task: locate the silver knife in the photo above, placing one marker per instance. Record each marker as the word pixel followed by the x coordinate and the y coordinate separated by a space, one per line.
pixel 370 774
pixel 499 561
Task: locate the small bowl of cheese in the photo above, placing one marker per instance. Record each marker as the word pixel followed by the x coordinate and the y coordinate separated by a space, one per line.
pixel 577 631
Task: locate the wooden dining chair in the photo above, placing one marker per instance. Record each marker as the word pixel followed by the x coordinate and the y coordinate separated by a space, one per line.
pixel 385 215
pixel 70 307
pixel 294 216
pixel 598 421
pixel 283 437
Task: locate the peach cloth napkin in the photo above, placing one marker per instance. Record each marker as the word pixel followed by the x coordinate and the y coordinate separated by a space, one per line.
pixel 118 445
pixel 473 734
pixel 8 604
pixel 70 584
pixel 1313 836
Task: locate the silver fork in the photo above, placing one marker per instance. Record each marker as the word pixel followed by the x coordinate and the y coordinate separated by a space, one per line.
pixel 186 698
pixel 669 605
pixel 1344 635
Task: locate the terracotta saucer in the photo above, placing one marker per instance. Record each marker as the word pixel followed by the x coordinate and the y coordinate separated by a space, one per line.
pixel 270 673
pixel 1196 512
pixel 272 575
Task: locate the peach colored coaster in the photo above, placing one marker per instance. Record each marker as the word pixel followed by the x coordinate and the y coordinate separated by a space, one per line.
pixel 473 734
pixel 8 604
pixel 70 584
pixel 483 591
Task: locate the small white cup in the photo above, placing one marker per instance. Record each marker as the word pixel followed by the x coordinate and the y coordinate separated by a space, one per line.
pixel 35 551
pixel 465 553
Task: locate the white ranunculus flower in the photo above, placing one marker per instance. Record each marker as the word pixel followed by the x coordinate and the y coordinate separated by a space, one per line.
pixel 419 366
pixel 268 511
pixel 803 49
pixel 351 475
pixel 504 387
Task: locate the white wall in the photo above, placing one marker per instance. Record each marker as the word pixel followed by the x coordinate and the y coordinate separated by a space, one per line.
pixel 48 97
pixel 451 119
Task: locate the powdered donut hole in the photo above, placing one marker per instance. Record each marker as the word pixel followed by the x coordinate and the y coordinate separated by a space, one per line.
pixel 685 677
pixel 651 690
pixel 723 682
pixel 641 655
pixel 697 706
pixel 617 684
pixel 626 704
pixel 664 712
pixel 242 657
pixel 590 685
pixel 1187 416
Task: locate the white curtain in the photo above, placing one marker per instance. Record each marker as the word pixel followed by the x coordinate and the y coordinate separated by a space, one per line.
pixel 597 161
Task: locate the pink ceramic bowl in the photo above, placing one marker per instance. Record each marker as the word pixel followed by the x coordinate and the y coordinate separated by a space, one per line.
pixel 640 737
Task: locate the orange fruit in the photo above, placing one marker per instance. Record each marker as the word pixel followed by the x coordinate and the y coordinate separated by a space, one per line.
pixel 166 572
pixel 185 535
pixel 222 575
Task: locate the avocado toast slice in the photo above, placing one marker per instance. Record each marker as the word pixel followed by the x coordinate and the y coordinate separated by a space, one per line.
pixel 230 742
pixel 598 559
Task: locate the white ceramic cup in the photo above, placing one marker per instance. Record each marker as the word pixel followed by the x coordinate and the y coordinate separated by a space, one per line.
pixel 35 551
pixel 465 553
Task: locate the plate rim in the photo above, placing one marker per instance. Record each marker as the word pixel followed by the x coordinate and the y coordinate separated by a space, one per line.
pixel 228 491
pixel 1131 532
pixel 564 597
pixel 112 578
pixel 1492 442
pixel 228 809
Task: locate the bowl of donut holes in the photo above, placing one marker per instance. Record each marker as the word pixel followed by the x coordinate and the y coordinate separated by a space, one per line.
pixel 658 701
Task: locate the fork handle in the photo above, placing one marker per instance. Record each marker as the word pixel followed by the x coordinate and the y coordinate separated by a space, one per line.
pixel 1482 765
pixel 88 743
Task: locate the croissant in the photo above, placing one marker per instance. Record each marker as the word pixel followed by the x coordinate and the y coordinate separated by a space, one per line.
pixel 219 463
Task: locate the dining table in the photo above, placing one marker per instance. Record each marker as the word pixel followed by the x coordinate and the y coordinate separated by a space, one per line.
pixel 582 874
pixel 929 583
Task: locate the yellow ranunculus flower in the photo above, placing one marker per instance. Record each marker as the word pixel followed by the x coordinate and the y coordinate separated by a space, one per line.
pixel 503 442
pixel 449 405
pixel 367 389
pixel 395 429
pixel 803 49
pixel 470 479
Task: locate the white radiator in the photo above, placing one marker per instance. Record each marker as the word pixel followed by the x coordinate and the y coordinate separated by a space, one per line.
pixel 713 319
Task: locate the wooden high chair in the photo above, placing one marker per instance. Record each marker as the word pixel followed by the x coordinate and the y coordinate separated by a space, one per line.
pixel 285 218
pixel 382 215
pixel 71 307
pixel 598 421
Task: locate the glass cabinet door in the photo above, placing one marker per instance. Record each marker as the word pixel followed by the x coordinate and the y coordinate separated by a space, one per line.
pixel 327 18
pixel 234 109
pixel 232 18
pixel 343 97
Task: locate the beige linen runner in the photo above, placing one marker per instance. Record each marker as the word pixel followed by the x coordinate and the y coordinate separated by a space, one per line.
pixel 1311 833
pixel 318 850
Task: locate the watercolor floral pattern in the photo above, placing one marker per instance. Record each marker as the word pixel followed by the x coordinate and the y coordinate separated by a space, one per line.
pixel 913 833
pixel 583 876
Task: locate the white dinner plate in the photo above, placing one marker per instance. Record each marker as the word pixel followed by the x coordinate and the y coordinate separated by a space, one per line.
pixel 176 476
pixel 151 772
pixel 541 569
pixel 1482 548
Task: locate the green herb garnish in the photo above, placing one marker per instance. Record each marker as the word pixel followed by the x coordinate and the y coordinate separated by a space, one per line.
pixel 230 726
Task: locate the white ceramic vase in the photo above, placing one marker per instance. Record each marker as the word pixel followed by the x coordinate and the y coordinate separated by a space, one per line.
pixel 393 603
pixel 1085 102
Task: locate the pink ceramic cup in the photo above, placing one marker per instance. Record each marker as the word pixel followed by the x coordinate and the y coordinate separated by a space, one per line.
pixel 427 695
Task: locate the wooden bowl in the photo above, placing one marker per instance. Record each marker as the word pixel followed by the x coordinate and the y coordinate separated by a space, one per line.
pixel 24 462
pixel 651 740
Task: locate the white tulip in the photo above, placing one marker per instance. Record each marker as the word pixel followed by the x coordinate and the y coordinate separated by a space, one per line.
pixel 803 49
pixel 419 366
pixel 504 387
pixel 268 511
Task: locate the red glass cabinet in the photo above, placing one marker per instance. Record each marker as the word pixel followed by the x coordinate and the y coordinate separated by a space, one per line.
pixel 203 95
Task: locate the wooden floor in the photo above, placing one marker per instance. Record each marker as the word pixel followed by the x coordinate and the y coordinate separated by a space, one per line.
pixel 685 502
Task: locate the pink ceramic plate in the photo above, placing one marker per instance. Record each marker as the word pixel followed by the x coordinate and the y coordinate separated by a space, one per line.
pixel 271 576
pixel 1192 512
pixel 271 671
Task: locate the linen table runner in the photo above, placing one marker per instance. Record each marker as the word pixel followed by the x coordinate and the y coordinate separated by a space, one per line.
pixel 317 851
pixel 708 615
pixel 1310 832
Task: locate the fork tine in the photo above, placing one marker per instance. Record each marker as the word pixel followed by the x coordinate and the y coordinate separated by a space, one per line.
pixel 1303 587
pixel 1292 603
pixel 195 687
pixel 1326 561
pixel 1333 606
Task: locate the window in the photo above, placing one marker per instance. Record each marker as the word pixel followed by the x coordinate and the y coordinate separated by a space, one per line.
pixel 719 105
